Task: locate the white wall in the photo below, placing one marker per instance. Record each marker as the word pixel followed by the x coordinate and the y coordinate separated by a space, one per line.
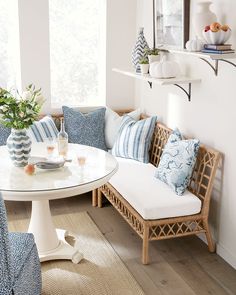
pixel 121 19
pixel 34 45
pixel 210 117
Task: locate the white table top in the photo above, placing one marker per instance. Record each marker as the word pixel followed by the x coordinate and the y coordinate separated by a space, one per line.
pixel 67 181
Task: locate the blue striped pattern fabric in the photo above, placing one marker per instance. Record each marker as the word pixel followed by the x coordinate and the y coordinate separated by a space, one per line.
pixel 134 139
pixel 41 130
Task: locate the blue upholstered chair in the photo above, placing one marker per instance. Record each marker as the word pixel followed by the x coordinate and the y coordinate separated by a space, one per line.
pixel 20 271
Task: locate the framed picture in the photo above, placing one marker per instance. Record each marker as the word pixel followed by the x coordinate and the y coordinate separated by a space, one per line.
pixel 171 22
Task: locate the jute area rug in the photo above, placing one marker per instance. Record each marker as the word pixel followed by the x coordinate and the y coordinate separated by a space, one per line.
pixel 101 272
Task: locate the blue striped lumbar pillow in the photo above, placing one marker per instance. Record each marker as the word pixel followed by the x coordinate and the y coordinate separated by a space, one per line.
pixel 134 138
pixel 43 129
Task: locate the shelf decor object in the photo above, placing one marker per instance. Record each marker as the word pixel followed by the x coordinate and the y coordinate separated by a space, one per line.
pixel 171 22
pixel 178 81
pixel 195 45
pixel 164 69
pixel 139 50
pixel 207 57
pixel 216 34
pixel 203 17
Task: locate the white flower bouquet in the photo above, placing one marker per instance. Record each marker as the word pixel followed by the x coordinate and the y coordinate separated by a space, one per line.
pixel 20 111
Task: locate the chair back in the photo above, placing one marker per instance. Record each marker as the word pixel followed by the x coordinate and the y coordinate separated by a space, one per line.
pixel 5 261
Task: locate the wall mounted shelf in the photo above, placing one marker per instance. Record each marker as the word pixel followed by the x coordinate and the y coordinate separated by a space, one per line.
pixel 171 81
pixel 207 57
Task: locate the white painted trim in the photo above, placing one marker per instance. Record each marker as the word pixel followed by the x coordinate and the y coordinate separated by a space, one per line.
pixel 221 251
pixel 226 255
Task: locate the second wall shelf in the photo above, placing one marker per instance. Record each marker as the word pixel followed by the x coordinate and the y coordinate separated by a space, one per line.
pixel 206 57
pixel 171 81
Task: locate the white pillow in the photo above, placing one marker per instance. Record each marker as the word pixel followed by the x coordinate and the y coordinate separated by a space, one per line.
pixel 112 125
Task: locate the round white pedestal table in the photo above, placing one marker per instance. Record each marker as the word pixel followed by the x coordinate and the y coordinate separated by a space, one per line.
pixel 44 185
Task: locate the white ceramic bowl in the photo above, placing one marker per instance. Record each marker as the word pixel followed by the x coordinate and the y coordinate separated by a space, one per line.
pixel 220 37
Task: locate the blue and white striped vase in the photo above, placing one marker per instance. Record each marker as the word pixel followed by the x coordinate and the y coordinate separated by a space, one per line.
pixel 19 147
pixel 139 50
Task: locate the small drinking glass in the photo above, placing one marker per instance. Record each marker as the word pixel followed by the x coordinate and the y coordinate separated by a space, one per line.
pixel 81 160
pixel 50 146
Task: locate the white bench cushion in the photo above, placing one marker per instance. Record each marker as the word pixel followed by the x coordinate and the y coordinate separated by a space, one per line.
pixel 150 197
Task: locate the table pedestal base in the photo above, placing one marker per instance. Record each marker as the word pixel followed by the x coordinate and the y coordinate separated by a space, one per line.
pixel 51 243
pixel 63 251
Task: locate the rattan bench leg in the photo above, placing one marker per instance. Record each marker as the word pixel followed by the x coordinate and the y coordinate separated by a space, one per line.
pixel 210 242
pixel 145 255
pixel 99 198
pixel 94 198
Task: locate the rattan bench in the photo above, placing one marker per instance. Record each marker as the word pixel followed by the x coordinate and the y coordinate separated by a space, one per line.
pixel 200 185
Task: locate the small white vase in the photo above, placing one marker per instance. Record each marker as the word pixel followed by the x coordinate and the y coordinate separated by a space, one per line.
pixel 144 68
pixel 203 17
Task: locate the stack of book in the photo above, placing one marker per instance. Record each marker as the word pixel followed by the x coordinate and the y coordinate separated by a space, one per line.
pixel 218 49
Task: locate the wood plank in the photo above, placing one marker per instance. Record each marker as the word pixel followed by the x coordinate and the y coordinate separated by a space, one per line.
pixel 195 276
pixel 179 266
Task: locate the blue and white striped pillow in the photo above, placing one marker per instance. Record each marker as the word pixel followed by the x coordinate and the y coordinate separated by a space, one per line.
pixel 43 129
pixel 134 139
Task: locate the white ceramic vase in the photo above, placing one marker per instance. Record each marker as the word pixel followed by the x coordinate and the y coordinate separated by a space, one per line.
pixel 203 17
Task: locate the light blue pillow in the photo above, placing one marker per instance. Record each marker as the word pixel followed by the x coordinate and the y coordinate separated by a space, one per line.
pixel 177 162
pixel 4 133
pixel 42 130
pixel 134 139
pixel 87 129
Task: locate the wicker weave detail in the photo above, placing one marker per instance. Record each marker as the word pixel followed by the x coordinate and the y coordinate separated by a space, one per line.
pixel 201 184
pixel 178 229
pixel 123 208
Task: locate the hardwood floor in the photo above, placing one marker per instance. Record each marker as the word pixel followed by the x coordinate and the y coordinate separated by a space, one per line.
pixel 178 266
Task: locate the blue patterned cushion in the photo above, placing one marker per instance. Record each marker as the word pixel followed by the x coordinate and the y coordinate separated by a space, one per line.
pixel 42 130
pixel 4 133
pixel 87 129
pixel 134 138
pixel 177 162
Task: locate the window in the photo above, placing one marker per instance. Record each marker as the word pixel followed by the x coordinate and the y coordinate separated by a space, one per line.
pixel 9 44
pixel 77 52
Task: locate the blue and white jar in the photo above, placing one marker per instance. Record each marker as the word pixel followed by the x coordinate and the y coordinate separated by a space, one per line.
pixel 139 50
pixel 19 147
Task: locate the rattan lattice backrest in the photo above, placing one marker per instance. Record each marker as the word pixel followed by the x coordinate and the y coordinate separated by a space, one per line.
pixel 206 165
pixel 204 172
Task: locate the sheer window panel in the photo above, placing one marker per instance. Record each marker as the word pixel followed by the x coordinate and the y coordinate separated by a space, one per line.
pixel 9 45
pixel 77 52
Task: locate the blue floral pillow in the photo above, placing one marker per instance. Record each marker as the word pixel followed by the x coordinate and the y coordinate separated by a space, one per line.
pixel 87 129
pixel 177 162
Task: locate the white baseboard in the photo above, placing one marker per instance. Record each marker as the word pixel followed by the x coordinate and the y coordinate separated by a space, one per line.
pixel 226 255
pixel 222 252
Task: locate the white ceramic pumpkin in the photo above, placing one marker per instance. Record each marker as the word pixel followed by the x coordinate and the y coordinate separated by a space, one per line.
pixel 164 69
pixel 194 45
